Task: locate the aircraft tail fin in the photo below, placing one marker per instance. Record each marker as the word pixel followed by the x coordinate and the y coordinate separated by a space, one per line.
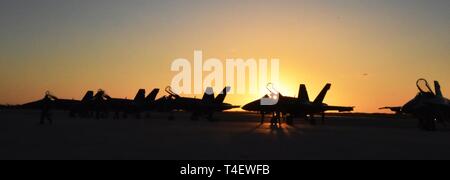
pixel 140 96
pixel 437 89
pixel 89 96
pixel 209 95
pixel 152 95
pixel 221 97
pixel 303 93
pixel 101 95
pixel 322 94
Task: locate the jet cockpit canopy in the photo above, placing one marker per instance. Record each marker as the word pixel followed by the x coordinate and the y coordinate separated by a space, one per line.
pixel 424 87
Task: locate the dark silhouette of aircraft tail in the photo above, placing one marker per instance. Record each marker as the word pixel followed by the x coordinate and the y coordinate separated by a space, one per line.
pixel 152 95
pixel 221 97
pixel 140 96
pixel 323 93
pixel 100 95
pixel 437 88
pixel 209 95
pixel 303 94
pixel 89 96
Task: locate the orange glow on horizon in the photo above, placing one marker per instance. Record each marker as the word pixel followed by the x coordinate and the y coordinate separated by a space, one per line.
pixel 371 51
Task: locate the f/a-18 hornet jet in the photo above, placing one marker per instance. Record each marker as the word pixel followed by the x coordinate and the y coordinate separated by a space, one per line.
pixel 291 107
pixel 135 106
pixel 428 106
pixel 206 106
pixel 102 104
pixel 99 104
pixel 72 105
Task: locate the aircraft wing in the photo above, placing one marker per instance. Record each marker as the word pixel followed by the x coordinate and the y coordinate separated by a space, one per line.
pixel 394 109
pixel 339 108
pixel 440 106
pixel 225 107
pixel 65 104
pixel 62 104
pixel 32 105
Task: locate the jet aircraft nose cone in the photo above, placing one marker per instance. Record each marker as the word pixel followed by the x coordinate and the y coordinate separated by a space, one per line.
pixel 246 107
pixel 253 106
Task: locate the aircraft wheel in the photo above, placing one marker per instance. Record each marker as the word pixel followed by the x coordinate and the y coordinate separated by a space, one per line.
pixel 312 120
pixel 421 124
pixel 262 119
pixel 323 118
pixel 290 120
pixel 427 124
pixel 273 121
pixel 432 125
pixel 424 124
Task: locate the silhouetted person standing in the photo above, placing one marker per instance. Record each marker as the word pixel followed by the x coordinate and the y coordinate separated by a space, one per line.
pixel 46 109
pixel 276 120
pixel 262 117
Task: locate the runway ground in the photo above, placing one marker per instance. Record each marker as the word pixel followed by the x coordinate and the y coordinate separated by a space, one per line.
pixel 235 136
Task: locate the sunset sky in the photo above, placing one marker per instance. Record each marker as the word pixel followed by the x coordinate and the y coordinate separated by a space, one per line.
pixel 372 51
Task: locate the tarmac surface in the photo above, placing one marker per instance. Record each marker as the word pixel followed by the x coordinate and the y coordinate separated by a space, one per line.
pixel 235 136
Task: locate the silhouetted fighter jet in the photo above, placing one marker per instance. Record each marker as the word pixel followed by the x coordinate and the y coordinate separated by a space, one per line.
pixel 100 104
pixel 73 106
pixel 291 107
pixel 198 107
pixel 139 104
pixel 59 104
pixel 428 106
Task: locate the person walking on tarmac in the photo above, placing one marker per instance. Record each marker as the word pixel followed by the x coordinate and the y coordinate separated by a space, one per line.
pixel 46 108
